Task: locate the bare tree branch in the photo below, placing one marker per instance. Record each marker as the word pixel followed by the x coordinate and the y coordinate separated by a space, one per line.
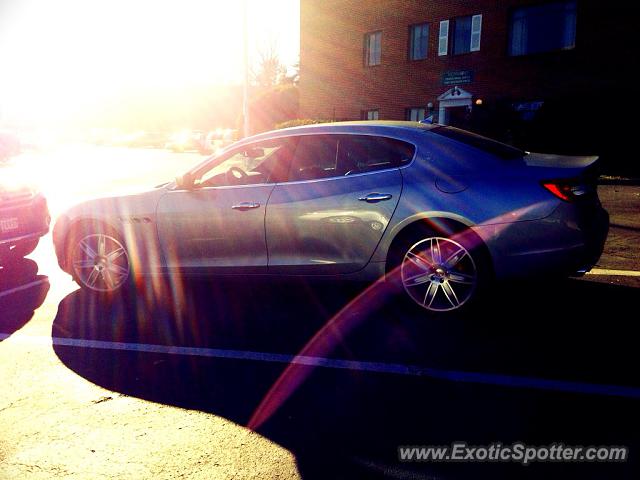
pixel 270 71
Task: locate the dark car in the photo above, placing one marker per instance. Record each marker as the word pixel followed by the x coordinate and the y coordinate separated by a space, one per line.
pixel 24 218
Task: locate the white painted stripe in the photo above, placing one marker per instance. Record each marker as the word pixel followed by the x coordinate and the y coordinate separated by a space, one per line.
pixel 621 273
pixel 512 381
pixel 26 286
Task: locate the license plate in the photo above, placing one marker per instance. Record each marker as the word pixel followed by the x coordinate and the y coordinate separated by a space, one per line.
pixel 8 224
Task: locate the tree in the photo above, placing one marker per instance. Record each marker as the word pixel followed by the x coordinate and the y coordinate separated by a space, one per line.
pixel 272 106
pixel 274 96
pixel 270 70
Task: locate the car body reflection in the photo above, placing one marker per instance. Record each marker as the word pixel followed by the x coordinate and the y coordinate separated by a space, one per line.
pixel 22 291
pixel 349 422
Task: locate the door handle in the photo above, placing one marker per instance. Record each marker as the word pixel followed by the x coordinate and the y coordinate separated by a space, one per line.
pixel 376 197
pixel 245 205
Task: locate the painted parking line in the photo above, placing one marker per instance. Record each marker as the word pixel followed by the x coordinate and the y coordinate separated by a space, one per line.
pixel 512 381
pixel 621 273
pixel 26 286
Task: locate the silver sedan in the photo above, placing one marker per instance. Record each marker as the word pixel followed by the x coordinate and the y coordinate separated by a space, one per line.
pixel 438 211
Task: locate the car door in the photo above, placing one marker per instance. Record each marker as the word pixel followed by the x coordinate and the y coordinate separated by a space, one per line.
pixel 340 194
pixel 217 223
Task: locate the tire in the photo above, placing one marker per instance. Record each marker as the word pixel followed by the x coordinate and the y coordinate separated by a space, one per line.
pixel 441 273
pixel 98 260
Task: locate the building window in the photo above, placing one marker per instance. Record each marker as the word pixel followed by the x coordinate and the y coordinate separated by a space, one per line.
pixel 542 28
pixel 372 48
pixel 416 114
pixel 418 40
pixel 466 33
pixel 371 114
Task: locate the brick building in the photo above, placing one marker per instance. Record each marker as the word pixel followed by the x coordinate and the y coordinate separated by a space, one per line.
pixel 542 74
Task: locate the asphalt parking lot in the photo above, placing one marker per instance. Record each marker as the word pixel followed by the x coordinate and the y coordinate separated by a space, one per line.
pixel 621 251
pixel 239 379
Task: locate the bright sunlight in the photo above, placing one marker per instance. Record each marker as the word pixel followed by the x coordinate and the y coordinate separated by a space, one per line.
pixel 69 59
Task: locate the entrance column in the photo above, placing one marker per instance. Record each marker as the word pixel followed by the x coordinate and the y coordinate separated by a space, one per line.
pixel 442 114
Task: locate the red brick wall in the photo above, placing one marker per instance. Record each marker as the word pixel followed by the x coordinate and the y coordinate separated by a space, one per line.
pixel 334 83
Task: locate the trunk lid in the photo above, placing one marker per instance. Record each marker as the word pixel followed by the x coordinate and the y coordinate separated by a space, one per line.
pixel 559 161
pixel 571 178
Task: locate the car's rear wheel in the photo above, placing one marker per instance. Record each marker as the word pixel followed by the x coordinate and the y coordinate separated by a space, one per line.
pixel 98 261
pixel 441 273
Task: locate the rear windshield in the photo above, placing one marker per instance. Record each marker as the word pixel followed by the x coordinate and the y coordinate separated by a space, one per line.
pixel 493 147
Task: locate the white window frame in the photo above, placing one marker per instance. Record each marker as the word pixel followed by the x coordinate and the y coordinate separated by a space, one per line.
pixel 443 38
pixel 476 32
pixel 372 114
pixel 413 113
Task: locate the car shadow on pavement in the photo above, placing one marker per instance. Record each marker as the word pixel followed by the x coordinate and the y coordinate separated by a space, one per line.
pixel 22 291
pixel 347 420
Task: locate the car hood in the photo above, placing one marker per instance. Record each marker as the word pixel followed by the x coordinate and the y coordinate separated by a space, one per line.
pixel 116 209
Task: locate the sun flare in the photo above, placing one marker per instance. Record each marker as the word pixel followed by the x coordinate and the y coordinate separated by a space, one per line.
pixel 63 59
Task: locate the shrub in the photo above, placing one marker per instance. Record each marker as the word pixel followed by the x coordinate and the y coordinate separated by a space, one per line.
pixel 298 122
pixel 270 107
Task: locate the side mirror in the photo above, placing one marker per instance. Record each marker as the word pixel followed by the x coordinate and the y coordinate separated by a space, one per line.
pixel 184 182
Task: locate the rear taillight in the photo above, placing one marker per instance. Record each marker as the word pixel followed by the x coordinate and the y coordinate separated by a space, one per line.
pixel 567 189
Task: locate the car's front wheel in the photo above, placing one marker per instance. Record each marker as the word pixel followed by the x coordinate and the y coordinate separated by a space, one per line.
pixel 441 273
pixel 98 261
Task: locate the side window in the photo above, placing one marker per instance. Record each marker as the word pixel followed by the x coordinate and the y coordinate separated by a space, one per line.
pixel 418 41
pixel 463 32
pixel 542 28
pixel 262 162
pixel 461 35
pixel 315 157
pixel 360 153
pixel 324 156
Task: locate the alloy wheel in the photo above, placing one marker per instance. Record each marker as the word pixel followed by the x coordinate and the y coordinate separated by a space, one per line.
pixel 439 274
pixel 100 262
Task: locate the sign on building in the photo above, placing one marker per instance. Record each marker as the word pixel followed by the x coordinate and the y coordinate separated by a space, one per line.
pixel 457 77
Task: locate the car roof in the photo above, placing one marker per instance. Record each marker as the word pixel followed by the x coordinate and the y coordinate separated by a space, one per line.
pixel 368 123
pixel 380 127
